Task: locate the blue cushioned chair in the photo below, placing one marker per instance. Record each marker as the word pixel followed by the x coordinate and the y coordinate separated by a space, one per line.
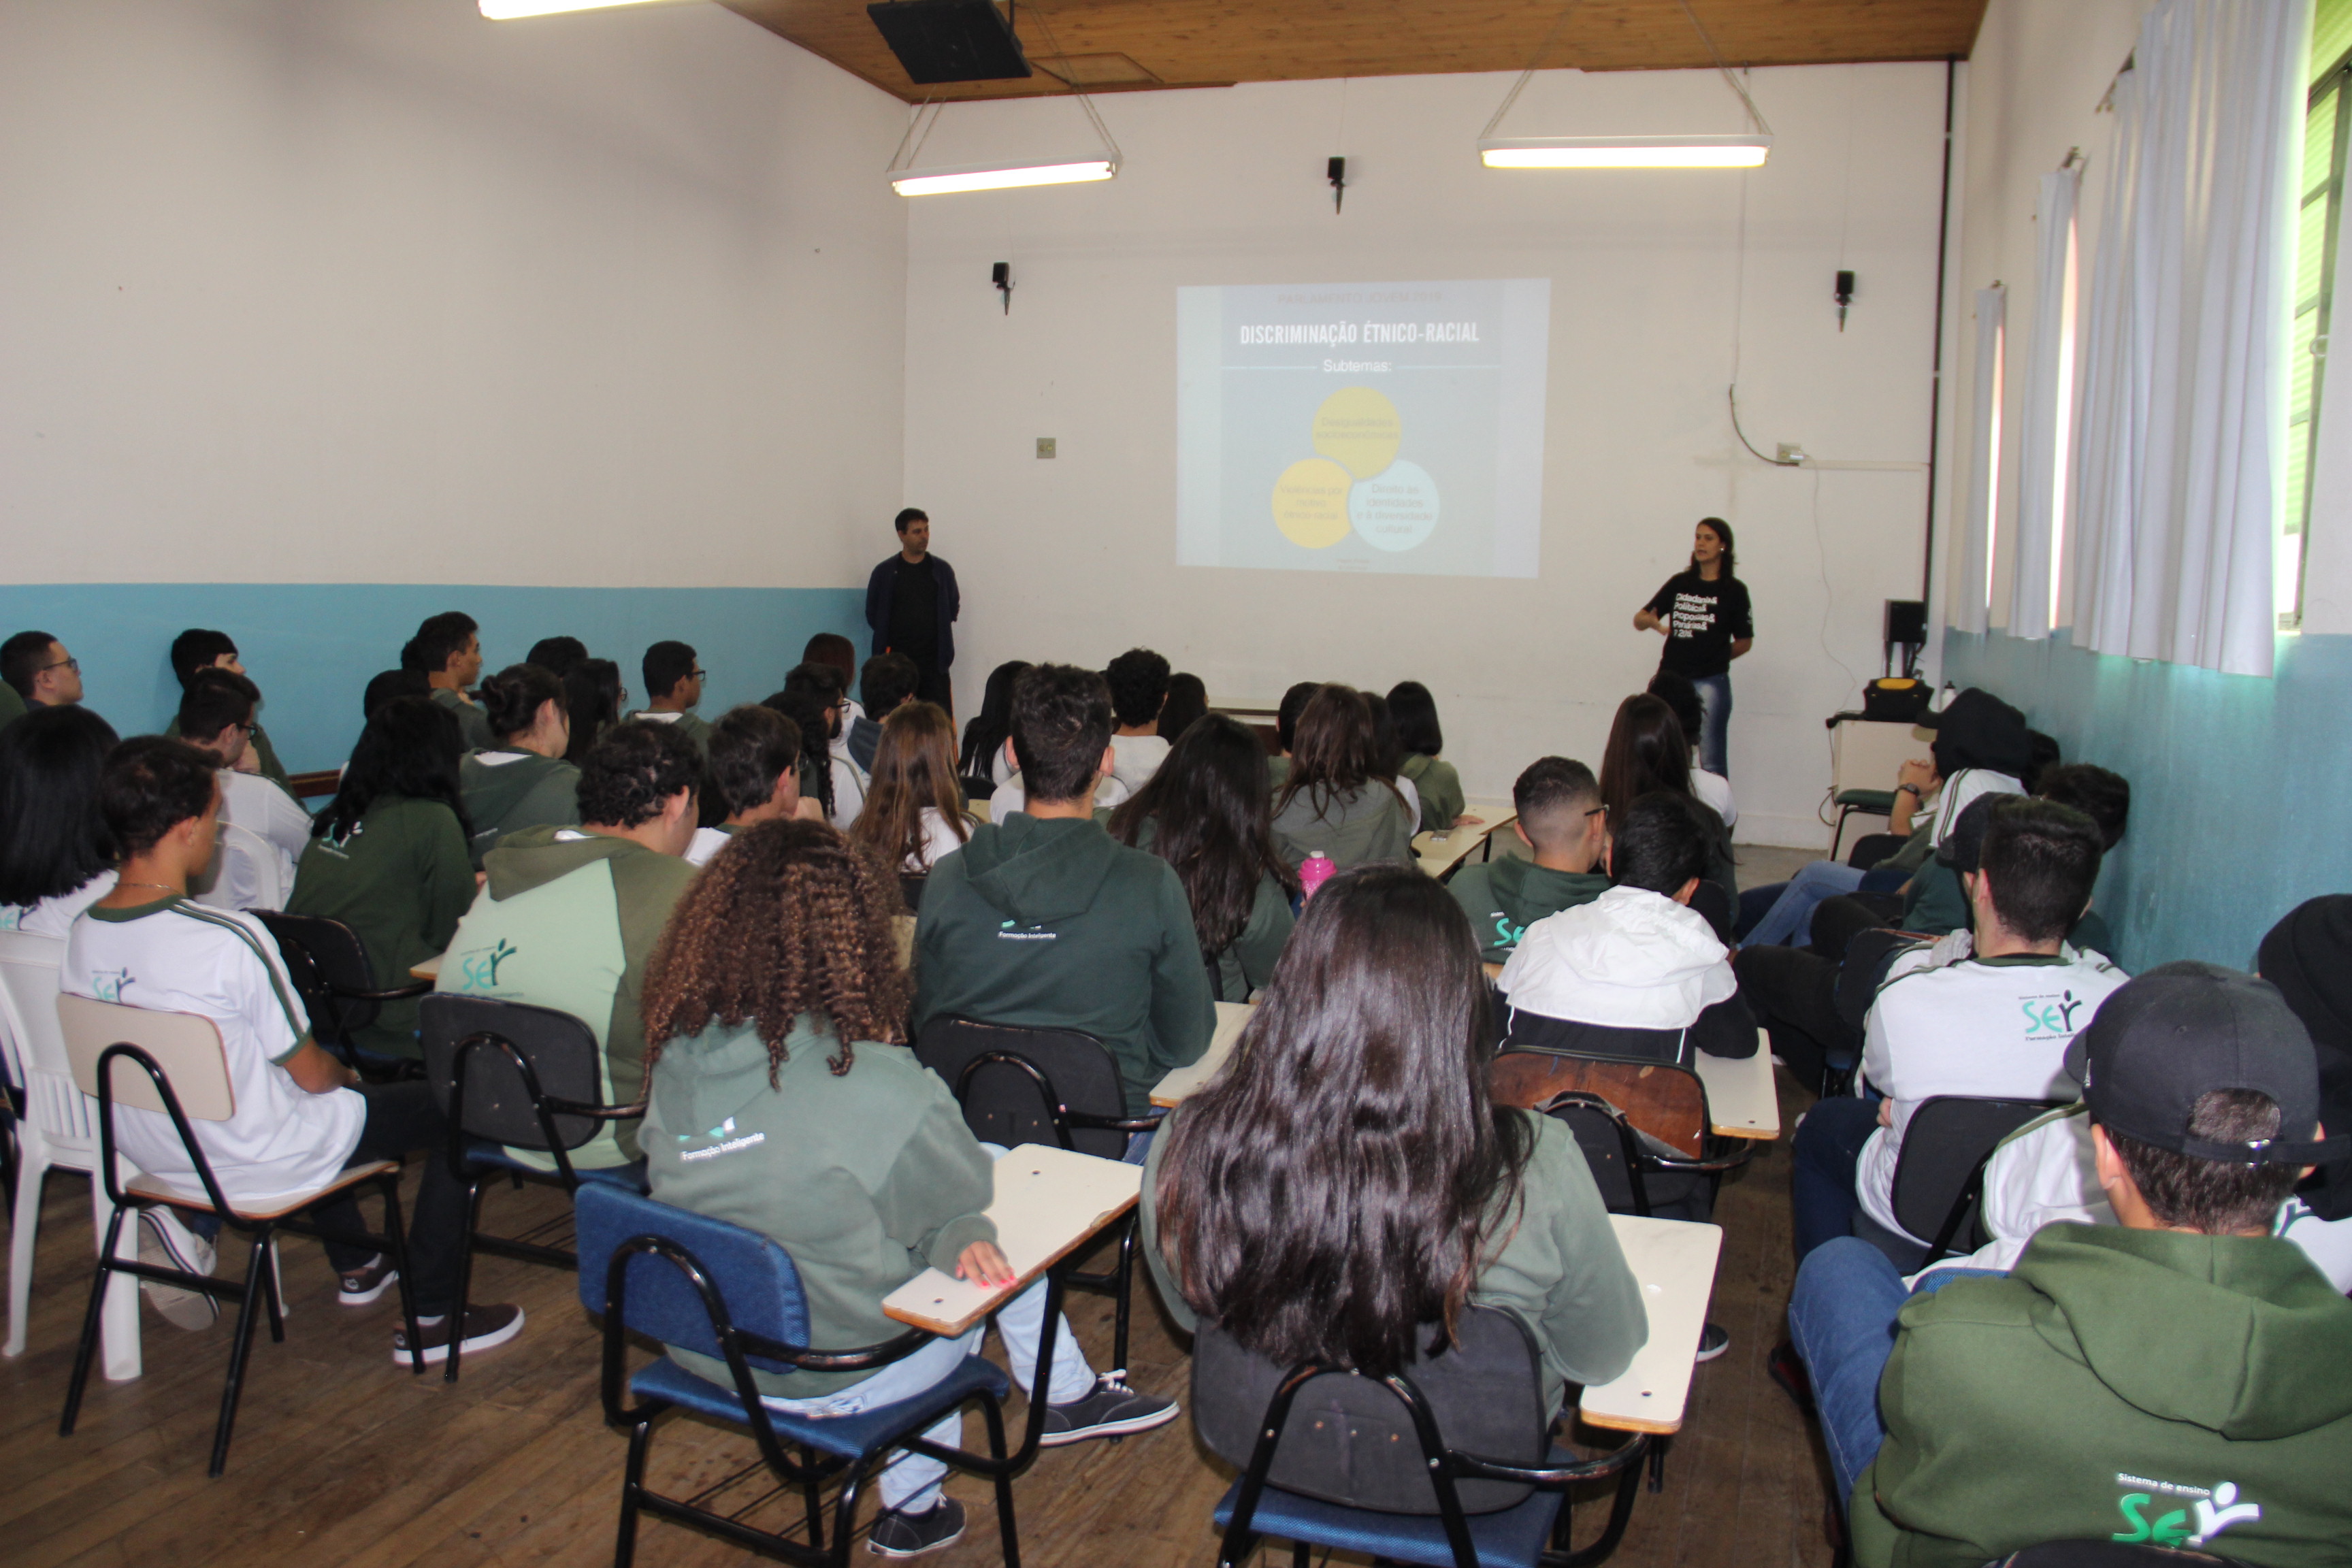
pixel 512 1076
pixel 1388 1466
pixel 720 1291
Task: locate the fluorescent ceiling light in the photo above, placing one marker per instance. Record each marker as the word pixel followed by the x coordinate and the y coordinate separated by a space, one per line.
pixel 508 10
pixel 1625 151
pixel 999 177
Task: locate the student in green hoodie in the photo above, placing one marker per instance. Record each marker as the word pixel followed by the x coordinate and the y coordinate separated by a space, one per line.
pixel 1044 920
pixel 1286 731
pixel 1414 711
pixel 570 915
pixel 523 780
pixel 674 678
pixel 810 1121
pixel 2182 1379
pixel 1560 821
pixel 1333 801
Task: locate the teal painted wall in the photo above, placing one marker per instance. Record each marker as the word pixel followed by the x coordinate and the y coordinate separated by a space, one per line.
pixel 312 648
pixel 2238 784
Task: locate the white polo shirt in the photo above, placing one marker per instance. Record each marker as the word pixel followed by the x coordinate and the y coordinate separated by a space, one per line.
pixel 177 956
pixel 55 916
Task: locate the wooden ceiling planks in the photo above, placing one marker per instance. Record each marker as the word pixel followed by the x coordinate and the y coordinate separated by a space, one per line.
pixel 1215 43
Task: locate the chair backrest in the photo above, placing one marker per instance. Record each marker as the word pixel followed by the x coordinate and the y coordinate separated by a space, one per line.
pixel 325 958
pixel 754 1277
pixel 1666 1102
pixel 1002 1103
pixel 1350 1441
pixel 247 872
pixel 560 1050
pixel 1946 1143
pixel 185 1045
pixel 1608 1148
pixel 35 1044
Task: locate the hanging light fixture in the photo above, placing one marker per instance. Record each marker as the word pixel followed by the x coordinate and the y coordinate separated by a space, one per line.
pixel 909 181
pixel 508 10
pixel 1742 151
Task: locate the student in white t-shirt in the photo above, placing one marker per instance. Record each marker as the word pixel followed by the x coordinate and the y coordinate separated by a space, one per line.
pixel 752 774
pixel 55 854
pixel 914 812
pixel 1138 688
pixel 216 713
pixel 300 1116
pixel 1989 1015
pixel 814 699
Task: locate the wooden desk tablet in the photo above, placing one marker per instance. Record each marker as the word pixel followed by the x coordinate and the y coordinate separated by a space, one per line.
pixel 1048 1202
pixel 1673 1261
pixel 1741 1102
pixel 1439 853
pixel 426 968
pixel 1187 1080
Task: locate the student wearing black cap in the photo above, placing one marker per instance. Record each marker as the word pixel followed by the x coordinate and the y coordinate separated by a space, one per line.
pixel 2180 1379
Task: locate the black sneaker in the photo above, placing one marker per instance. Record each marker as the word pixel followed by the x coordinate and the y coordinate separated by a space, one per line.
pixel 485 1327
pixel 1713 1340
pixel 896 1534
pixel 1788 1370
pixel 1112 1410
pixel 367 1283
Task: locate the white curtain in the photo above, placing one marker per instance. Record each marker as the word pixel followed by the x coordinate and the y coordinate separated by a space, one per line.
pixel 2184 429
pixel 2047 412
pixel 1971 592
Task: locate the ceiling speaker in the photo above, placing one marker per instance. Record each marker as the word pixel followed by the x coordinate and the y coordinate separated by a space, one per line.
pixel 950 40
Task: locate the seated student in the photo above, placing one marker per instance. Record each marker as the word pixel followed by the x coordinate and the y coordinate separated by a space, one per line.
pixel 1389 769
pixel 1208 812
pixel 570 915
pixel 1414 711
pixel 1560 820
pixel 1139 690
pixel 387 856
pixel 1276 1203
pixel 1713 790
pixel 1285 729
pixel 38 672
pixel 448 648
pixel 1934 902
pixel 820 711
pixel 914 815
pixel 986 759
pixel 1779 912
pixel 754 770
pixel 57 857
pixel 2175 1379
pixel 299 1116
pixel 1634 973
pixel 385 685
pixel 1333 803
pixel 197 650
pixel 1988 1015
pixel 2308 956
pixel 673 685
pixel 1043 921
pixel 809 1121
pixel 592 695
pixel 1648 752
pixel 1188 701
pixel 832 649
pixel 558 655
pixel 523 781
pixel 890 680
pixel 217 717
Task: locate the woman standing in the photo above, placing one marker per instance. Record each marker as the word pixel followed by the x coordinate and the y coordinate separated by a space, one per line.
pixel 1703 614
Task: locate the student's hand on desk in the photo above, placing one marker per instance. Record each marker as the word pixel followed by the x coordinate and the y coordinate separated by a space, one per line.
pixel 1466 820
pixel 982 1264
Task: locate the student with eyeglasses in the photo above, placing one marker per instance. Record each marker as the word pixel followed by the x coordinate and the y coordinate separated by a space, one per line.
pixel 674 680
pixel 38 673
pixel 217 717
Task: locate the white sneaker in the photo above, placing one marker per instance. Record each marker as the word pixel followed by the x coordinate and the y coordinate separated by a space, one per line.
pixel 166 1243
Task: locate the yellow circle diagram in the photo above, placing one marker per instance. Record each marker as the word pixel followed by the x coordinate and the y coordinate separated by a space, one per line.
pixel 1311 502
pixel 1358 428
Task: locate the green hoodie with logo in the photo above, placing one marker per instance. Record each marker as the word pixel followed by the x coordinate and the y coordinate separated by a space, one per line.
pixel 2143 1386
pixel 568 921
pixel 1504 897
pixel 865 1177
pixel 507 796
pixel 1051 924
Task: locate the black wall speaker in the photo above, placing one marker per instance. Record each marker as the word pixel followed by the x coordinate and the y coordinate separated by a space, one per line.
pixel 1906 621
pixel 950 40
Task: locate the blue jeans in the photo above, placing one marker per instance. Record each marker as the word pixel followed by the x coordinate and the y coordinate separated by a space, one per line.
pixel 1841 1321
pixel 1715 723
pixel 1827 1148
pixel 1790 918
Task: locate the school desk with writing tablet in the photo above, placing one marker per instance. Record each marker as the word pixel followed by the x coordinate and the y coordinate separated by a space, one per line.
pixel 426 968
pixel 1187 1080
pixel 1674 1262
pixel 1439 853
pixel 1049 1202
pixel 1741 1102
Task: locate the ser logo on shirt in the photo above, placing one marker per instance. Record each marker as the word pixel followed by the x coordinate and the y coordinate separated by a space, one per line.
pixel 1506 934
pixel 2051 1017
pixel 2216 1510
pixel 478 970
pixel 109 983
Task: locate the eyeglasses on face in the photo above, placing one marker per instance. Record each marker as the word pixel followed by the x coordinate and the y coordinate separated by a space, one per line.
pixel 72 664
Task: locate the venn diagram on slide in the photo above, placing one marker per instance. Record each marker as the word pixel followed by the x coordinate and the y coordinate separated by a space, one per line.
pixel 1356 483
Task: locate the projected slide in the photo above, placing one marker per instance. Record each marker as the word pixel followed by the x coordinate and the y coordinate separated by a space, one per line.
pixel 1362 426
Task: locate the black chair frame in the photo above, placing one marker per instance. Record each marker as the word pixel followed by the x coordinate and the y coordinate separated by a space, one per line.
pixel 1445 1466
pixel 331 1025
pixel 260 1278
pixel 812 1471
pixel 1967 1202
pixel 1642 1161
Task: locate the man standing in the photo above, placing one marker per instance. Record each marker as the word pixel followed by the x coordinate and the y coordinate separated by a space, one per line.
pixel 912 602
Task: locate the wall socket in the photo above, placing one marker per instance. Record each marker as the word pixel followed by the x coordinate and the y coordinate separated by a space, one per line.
pixel 1791 452
pixel 1045 445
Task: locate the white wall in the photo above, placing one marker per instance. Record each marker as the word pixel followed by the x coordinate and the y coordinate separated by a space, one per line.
pixel 379 292
pixel 1652 310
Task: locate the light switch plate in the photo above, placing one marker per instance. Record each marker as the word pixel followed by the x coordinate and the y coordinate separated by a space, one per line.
pixel 1045 445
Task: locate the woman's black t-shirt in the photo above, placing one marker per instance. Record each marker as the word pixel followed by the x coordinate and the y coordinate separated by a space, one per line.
pixel 1702 619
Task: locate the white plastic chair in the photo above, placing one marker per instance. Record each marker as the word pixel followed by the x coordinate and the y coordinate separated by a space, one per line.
pixel 59 1131
pixel 247 872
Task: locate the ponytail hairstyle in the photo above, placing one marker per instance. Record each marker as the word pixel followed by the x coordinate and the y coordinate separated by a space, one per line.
pixel 512 698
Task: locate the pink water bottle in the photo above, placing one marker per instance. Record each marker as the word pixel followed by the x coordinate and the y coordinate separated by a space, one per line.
pixel 1314 871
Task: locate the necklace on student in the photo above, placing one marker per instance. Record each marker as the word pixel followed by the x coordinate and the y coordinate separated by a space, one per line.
pixel 159 887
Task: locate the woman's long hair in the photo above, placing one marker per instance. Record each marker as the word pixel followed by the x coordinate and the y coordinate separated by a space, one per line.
pixel 1211 808
pixel 53 837
pixel 1730 559
pixel 1336 751
pixel 1414 712
pixel 410 747
pixel 1188 701
pixel 1647 751
pixel 985 736
pixel 592 696
pixel 913 767
pixel 1342 1183
pixel 806 709
pixel 787 920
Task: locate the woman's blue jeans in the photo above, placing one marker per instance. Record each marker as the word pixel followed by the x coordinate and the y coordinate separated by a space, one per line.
pixel 1715 723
